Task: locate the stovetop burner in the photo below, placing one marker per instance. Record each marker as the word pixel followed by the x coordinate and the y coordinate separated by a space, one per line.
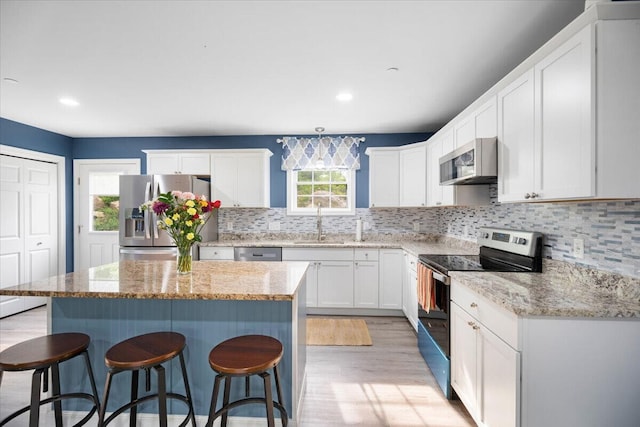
pixel 500 250
pixel 446 263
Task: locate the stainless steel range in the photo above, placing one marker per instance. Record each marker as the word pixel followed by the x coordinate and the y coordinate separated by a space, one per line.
pixel 500 250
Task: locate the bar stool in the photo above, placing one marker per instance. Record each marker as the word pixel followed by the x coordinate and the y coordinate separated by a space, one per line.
pixel 244 356
pixel 144 352
pixel 41 354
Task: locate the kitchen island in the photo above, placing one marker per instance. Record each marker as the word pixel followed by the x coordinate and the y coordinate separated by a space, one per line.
pixel 218 300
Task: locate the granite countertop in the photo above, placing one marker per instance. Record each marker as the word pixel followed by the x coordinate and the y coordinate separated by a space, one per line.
pixel 219 280
pixel 426 245
pixel 560 291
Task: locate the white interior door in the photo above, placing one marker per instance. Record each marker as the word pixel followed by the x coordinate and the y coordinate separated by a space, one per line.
pixel 96 209
pixel 29 227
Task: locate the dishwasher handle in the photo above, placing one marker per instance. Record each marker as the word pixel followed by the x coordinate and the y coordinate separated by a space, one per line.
pixel 257 254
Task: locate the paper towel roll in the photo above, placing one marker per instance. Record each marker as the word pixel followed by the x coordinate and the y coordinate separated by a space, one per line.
pixel 358 230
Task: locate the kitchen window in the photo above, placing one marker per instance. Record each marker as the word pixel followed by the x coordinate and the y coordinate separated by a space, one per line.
pixel 332 189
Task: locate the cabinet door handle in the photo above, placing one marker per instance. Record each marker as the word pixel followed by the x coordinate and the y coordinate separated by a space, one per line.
pixel 470 323
pixel 534 195
pixel 473 305
pixel 527 196
pixel 475 327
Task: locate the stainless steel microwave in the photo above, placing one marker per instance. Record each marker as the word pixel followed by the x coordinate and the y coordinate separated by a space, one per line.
pixel 475 162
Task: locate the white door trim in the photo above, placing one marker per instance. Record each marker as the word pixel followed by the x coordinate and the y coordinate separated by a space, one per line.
pixel 62 213
pixel 76 202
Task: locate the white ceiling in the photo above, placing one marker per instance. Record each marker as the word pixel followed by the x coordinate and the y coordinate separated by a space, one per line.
pixel 164 68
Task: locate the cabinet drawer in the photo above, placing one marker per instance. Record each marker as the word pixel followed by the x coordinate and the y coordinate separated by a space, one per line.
pixel 365 254
pixel 500 321
pixel 316 254
pixel 220 253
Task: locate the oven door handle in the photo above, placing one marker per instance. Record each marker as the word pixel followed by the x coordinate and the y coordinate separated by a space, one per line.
pixel 441 277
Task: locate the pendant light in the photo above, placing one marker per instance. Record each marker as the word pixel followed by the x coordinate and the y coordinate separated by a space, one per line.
pixel 320 161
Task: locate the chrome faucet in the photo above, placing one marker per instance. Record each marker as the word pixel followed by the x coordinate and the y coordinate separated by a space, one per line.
pixel 319 223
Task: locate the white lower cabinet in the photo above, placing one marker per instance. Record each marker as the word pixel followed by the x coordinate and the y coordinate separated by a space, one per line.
pixel 330 277
pixel 335 284
pixel 485 370
pixel 410 289
pixel 391 278
pixel 531 371
pixel 351 278
pixel 365 278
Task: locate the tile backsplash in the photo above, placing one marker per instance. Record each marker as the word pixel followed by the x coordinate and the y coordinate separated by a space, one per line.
pixel 610 230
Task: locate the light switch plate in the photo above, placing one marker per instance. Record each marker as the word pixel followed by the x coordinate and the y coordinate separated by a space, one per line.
pixel 416 227
pixel 274 226
pixel 229 226
pixel 578 248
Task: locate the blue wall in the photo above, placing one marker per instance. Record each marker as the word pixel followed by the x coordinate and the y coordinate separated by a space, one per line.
pixel 105 148
pixel 30 138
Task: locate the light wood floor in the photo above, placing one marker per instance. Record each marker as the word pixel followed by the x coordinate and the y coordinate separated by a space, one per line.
pixel 387 384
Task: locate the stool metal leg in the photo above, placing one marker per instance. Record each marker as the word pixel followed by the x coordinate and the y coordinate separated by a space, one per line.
pixel 187 389
pixel 214 400
pixel 283 413
pixel 268 398
pixel 57 405
pixel 133 413
pixel 225 400
pixel 92 380
pixel 34 411
pixel 162 395
pixel 105 398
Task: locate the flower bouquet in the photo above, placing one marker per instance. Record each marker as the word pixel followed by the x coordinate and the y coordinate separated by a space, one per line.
pixel 182 215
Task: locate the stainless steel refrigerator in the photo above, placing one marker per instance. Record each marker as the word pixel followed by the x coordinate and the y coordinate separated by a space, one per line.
pixel 140 237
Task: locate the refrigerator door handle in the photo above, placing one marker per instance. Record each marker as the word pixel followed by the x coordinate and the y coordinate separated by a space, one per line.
pixel 147 218
pixel 156 192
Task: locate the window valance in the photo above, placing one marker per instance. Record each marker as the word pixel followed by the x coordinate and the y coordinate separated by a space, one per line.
pixel 321 153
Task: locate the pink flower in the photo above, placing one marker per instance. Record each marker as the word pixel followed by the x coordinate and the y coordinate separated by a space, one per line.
pixel 177 194
pixel 188 196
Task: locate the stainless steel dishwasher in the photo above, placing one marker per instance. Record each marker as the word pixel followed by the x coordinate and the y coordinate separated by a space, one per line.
pixel 257 254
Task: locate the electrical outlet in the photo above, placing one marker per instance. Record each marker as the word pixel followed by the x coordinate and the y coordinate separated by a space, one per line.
pixel 229 226
pixel 366 225
pixel 274 226
pixel 416 227
pixel 578 248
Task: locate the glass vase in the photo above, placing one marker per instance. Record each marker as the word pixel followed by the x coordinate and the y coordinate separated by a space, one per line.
pixel 184 260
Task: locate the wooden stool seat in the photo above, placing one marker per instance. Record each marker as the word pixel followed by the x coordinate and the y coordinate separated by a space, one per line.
pixel 43 351
pixel 41 354
pixel 245 356
pixel 145 352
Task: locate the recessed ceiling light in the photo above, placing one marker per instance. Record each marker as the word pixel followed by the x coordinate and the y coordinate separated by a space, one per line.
pixel 344 97
pixel 69 102
pixel 392 69
pixel 10 80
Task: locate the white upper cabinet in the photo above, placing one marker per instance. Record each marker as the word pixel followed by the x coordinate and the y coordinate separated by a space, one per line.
pixel 566 127
pixel 240 178
pixel 481 123
pixel 564 120
pixel 397 176
pixel 384 177
pixel 413 176
pixel 434 189
pixel 169 162
pixel 515 139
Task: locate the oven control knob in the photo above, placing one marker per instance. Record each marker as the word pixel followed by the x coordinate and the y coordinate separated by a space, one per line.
pixel 520 241
pixel 484 235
